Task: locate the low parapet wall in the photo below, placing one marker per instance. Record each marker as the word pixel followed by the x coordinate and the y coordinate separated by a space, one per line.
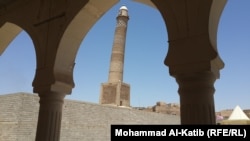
pixel 81 121
pixel 235 122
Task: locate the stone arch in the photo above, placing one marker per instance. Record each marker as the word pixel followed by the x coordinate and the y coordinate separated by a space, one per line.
pixel 133 51
pixel 72 38
pixel 8 32
pixel 184 24
pixel 192 56
pixel 195 79
pixel 10 39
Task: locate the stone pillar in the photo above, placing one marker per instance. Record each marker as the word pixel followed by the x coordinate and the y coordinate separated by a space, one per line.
pixel 196 92
pixel 192 56
pixel 50 115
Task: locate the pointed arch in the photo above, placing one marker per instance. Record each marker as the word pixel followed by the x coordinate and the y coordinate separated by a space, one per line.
pixel 73 36
pixel 13 45
pixel 7 34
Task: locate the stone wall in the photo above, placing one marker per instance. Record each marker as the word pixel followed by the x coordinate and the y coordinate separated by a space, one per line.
pixel 81 121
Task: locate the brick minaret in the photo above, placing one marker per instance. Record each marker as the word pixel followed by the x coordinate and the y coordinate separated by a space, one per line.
pixel 116 92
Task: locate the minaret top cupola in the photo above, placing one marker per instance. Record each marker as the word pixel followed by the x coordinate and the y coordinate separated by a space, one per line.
pixel 123 11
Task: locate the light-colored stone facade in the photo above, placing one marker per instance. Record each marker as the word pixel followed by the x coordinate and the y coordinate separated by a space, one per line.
pixel 81 121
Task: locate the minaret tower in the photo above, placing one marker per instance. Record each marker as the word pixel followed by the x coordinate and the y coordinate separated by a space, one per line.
pixel 115 92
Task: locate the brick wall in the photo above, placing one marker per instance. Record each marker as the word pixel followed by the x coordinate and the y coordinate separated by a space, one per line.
pixel 81 121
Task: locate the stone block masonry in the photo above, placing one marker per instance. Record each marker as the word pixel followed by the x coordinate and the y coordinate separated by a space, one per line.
pixel 81 121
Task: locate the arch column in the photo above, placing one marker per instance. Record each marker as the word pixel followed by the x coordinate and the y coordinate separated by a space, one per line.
pixel 54 29
pixel 192 57
pixel 57 38
pixel 196 92
pixel 50 115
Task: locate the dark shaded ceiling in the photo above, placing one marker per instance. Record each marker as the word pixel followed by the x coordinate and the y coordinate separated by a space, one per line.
pixel 5 2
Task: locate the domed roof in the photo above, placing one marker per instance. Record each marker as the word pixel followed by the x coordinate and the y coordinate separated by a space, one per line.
pixel 123 8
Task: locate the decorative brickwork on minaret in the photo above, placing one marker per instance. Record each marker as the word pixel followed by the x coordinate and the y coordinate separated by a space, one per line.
pixel 116 92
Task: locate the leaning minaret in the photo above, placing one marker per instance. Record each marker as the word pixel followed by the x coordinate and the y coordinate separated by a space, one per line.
pixel 116 92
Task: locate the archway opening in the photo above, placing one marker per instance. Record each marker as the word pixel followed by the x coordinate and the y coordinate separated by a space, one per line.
pixel 18 64
pixel 232 88
pixel 145 51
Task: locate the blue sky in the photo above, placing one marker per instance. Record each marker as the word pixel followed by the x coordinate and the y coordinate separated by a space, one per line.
pixel 146 48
